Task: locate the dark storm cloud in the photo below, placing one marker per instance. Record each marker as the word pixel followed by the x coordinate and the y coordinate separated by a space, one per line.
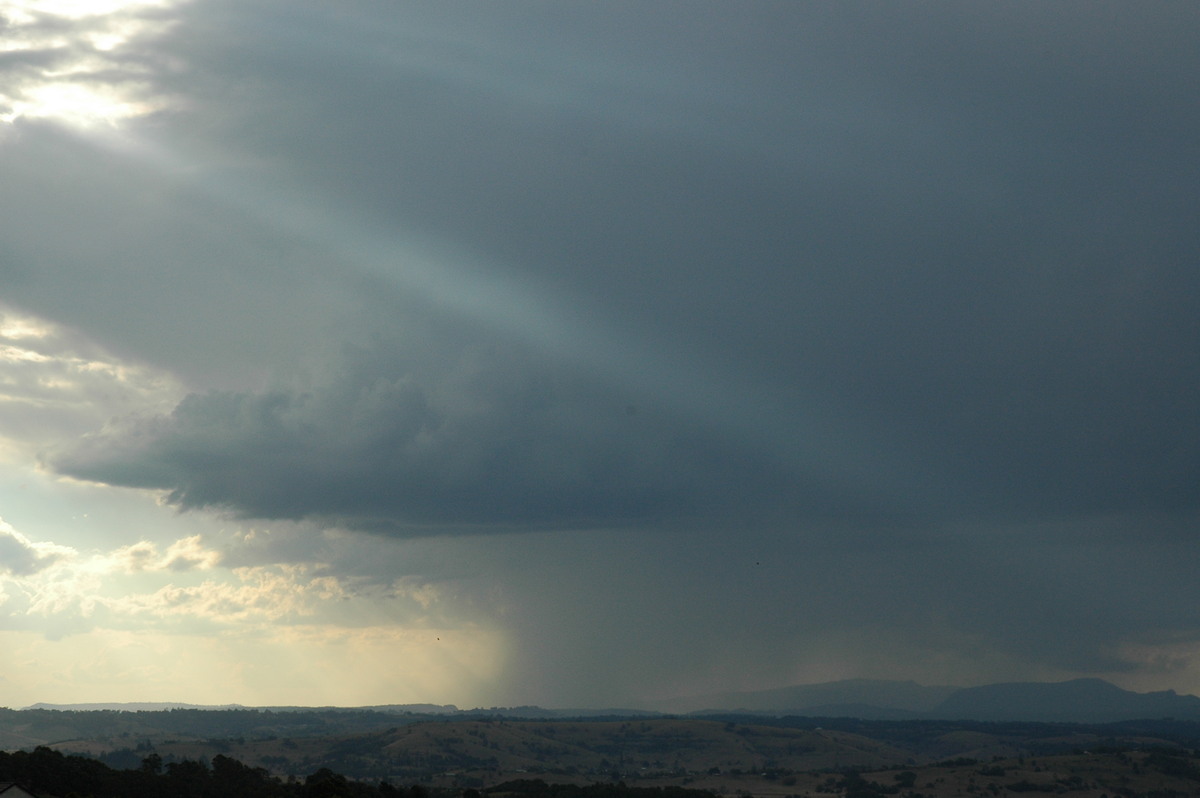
pixel 883 318
pixel 496 441
pixel 968 230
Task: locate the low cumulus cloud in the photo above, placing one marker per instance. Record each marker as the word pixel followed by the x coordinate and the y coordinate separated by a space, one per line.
pixel 259 595
pixel 183 588
pixel 183 555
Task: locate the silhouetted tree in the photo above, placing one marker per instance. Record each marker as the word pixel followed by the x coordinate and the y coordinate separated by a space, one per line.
pixel 326 784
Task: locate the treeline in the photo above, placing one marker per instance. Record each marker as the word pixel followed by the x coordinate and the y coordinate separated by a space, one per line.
pixel 45 771
pixel 48 772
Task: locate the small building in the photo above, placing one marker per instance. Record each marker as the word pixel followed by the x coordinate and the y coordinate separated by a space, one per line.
pixel 10 789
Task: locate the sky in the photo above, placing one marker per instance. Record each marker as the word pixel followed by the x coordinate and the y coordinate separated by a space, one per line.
pixel 593 354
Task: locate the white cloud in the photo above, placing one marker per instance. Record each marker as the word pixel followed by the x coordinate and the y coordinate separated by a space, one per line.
pixel 19 556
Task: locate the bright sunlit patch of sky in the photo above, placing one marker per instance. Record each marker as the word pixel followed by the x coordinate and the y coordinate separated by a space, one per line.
pixel 76 104
pixel 50 377
pixel 79 77
pixel 28 10
pixel 305 667
pixel 92 606
pixel 16 327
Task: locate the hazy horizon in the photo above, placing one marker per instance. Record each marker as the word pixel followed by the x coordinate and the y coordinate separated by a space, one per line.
pixel 884 695
pixel 576 354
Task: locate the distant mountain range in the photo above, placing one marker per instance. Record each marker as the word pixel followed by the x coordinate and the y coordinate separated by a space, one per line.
pixel 437 710
pixel 1077 701
pixel 879 699
pixel 130 706
pixel 1074 701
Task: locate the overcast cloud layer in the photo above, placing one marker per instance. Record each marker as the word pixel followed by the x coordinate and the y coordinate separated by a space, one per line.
pixel 637 349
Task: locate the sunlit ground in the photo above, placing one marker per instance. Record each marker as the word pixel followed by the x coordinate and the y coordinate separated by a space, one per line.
pixel 74 71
